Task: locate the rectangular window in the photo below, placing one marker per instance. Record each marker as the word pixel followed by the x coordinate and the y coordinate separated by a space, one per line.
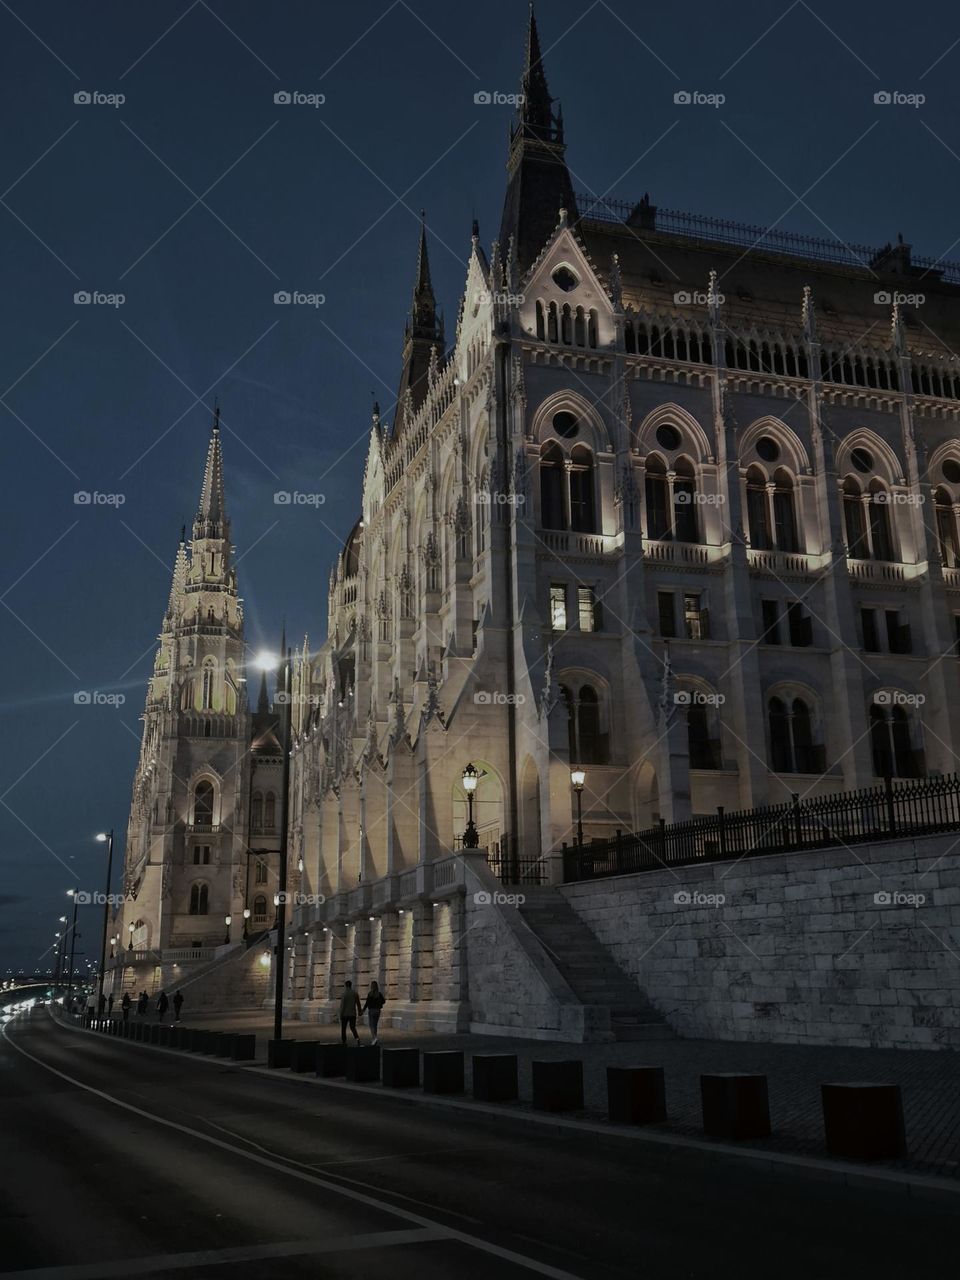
pixel 694 618
pixel 898 632
pixel 666 611
pixel 868 624
pixel 558 606
pixel 770 611
pixel 201 855
pixel 589 609
pixel 800 625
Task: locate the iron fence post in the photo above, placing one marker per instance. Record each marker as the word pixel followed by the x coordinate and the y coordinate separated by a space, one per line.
pixel 722 831
pixel 891 812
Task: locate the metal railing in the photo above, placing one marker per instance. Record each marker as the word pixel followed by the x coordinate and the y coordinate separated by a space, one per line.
pixel 885 812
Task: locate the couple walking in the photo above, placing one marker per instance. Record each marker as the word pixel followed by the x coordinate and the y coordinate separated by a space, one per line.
pixel 351 1009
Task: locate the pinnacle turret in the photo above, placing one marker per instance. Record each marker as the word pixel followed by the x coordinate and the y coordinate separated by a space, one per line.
pixel 424 330
pixel 211 519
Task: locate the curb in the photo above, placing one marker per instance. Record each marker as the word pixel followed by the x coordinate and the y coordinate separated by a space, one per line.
pixel 861 1177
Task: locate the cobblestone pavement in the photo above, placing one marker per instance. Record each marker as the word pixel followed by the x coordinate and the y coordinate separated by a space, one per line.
pixel 929 1080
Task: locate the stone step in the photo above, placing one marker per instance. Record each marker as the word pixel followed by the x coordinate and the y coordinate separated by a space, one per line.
pixel 646 1031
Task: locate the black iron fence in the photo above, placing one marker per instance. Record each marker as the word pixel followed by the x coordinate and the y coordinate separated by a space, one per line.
pixel 847 817
pixel 506 863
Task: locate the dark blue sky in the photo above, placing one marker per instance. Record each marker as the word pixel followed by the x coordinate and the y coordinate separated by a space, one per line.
pixel 118 400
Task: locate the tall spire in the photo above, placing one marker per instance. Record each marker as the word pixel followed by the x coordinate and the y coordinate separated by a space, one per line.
pixel 178 581
pixel 423 331
pixel 211 519
pixel 539 182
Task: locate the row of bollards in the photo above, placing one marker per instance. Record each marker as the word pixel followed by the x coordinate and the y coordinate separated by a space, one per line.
pixel 862 1121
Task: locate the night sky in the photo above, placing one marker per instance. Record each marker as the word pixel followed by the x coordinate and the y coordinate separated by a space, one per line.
pixel 199 197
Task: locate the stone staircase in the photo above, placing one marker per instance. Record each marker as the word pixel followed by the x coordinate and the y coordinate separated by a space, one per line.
pixel 589 969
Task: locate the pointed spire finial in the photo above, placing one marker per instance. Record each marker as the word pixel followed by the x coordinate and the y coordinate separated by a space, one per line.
pixel 211 518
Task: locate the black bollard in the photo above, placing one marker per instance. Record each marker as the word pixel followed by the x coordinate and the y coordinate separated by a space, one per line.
pixel 330 1060
pixel 495 1077
pixel 735 1106
pixel 558 1086
pixel 303 1056
pixel 244 1048
pixel 401 1068
pixel 864 1121
pixel 362 1063
pixel 636 1095
pixel 278 1052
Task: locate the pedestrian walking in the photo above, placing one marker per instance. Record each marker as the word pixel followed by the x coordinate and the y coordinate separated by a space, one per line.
pixel 163 1004
pixel 110 1006
pixel 101 1005
pixel 349 1008
pixel 142 1003
pixel 373 1007
pixel 125 1006
pixel 177 1006
pixel 91 1006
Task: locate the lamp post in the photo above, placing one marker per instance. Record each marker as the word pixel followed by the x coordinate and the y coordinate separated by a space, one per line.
pixel 471 837
pixel 228 921
pixel 268 662
pixel 130 929
pixel 72 893
pixel 578 777
pixel 107 838
pixel 60 938
pixel 246 917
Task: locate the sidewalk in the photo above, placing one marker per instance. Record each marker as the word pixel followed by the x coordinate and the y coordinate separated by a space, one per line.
pixel 928 1081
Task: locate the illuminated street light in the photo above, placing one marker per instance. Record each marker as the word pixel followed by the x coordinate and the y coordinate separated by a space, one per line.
pixel 471 776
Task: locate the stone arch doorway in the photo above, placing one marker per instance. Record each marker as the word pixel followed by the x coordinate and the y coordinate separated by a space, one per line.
pixel 646 797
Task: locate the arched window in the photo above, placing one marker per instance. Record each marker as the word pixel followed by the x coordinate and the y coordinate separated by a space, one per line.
pixel 260 875
pixel 947 528
pixel 206 688
pixel 586 743
pixel 198 899
pixel 758 513
pixel 854 521
pixel 270 811
pixel 894 755
pixel 582 508
pixel 541 328
pixel 685 502
pixel 259 909
pixel 784 513
pixel 203 804
pixel 792 748
pixel 552 506
pixel 657 495
pixel 256 811
pixel 704 750
pixel 878 509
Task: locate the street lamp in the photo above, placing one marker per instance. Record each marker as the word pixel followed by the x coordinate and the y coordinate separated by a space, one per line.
pixel 578 777
pixel 72 893
pixel 228 921
pixel 268 662
pixel 131 928
pixel 471 776
pixel 246 917
pixel 106 837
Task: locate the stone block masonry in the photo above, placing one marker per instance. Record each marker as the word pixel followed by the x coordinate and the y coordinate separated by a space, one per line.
pixel 844 947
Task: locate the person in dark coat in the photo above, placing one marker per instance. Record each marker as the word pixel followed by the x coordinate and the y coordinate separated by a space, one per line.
pixel 125 1006
pixel 373 1006
pixel 142 1003
pixel 349 1008
pixel 163 1004
pixel 177 1006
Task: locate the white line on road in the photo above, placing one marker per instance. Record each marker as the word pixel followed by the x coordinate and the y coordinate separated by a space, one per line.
pixel 449 1233
pixel 125 1267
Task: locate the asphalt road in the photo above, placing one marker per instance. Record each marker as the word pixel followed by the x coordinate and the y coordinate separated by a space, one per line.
pixel 122 1161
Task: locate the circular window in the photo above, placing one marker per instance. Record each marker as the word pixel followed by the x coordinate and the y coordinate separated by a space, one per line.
pixel 564 279
pixel 862 459
pixel 951 471
pixel 768 449
pixel 566 424
pixel 668 437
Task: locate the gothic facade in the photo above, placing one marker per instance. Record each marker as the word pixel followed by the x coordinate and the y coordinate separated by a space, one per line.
pixel 678 507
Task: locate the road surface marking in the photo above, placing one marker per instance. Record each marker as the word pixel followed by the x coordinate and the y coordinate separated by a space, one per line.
pixel 449 1233
pixel 125 1267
